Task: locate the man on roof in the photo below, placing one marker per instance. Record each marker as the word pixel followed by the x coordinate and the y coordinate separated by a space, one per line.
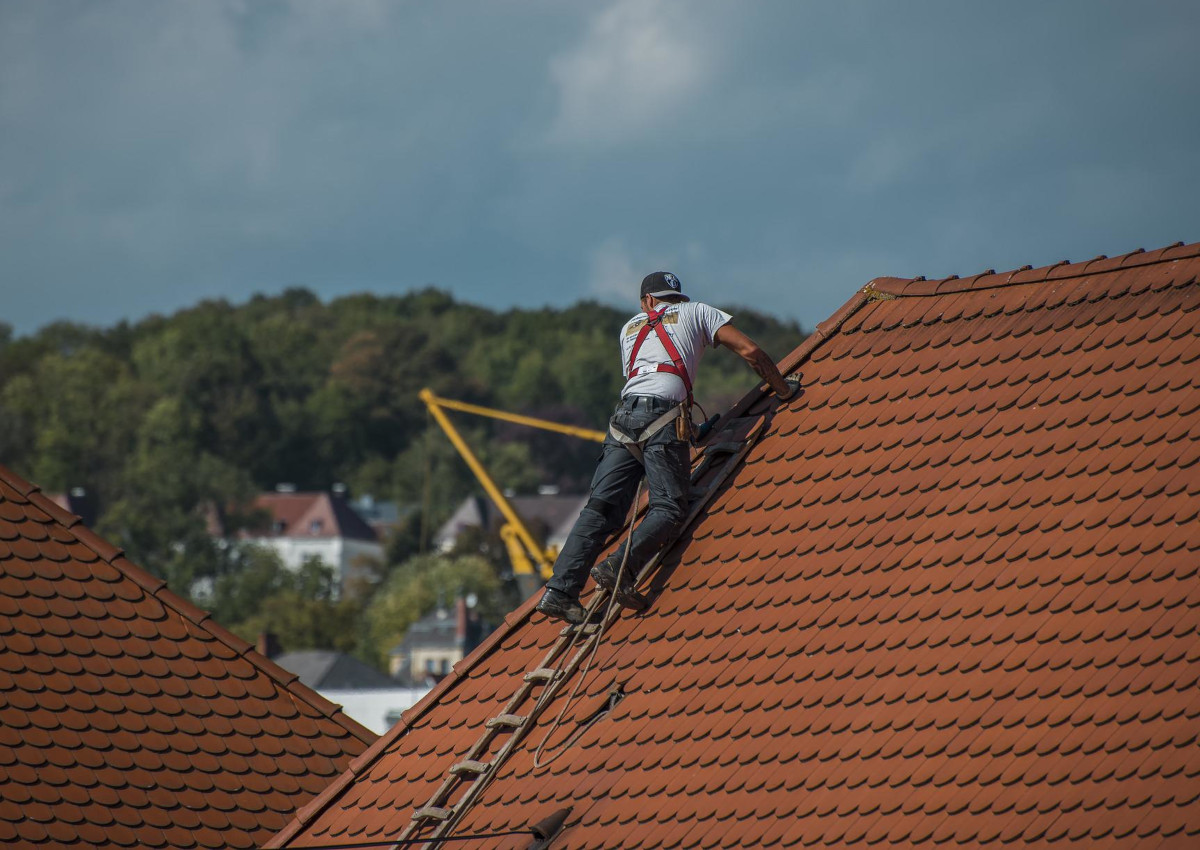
pixel 649 433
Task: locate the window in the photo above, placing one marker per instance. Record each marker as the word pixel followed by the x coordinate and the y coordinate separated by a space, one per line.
pixel 314 527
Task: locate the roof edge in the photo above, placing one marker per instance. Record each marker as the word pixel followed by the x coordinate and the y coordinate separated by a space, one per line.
pixel 313 809
pixel 896 287
pixel 156 587
pixel 801 353
pixel 307 814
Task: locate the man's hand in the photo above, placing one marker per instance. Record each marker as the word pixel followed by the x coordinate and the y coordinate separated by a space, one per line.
pixel 749 351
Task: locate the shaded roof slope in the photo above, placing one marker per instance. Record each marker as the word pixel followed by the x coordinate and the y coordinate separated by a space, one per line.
pixel 950 599
pixel 127 717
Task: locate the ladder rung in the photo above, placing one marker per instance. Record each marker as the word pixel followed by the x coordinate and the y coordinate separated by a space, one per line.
pixel 470 766
pixel 511 721
pixel 431 813
pixel 541 674
pixel 586 628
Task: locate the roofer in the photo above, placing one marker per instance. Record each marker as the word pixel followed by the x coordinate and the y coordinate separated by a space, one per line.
pixel 649 432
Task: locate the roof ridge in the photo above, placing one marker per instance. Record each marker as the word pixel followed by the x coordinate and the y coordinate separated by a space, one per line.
pixel 883 288
pixel 157 587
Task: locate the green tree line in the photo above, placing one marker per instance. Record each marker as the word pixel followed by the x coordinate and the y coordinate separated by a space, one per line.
pixel 169 419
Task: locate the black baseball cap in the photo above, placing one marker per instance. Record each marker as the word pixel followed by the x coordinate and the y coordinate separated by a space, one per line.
pixel 660 284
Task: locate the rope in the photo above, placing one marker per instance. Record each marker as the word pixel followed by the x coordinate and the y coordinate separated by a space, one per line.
pixel 549 692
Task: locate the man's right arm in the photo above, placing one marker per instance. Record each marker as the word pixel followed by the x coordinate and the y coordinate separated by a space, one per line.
pixel 759 361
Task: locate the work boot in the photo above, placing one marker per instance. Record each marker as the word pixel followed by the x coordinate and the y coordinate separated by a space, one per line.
pixel 558 606
pixel 605 574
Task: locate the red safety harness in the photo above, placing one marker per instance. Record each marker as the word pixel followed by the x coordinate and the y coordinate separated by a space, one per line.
pixel 676 366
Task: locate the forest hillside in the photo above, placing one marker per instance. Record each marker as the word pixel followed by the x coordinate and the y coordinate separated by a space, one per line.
pixel 167 419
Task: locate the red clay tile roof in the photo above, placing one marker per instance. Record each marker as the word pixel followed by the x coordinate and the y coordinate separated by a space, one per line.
pixel 950 599
pixel 127 717
pixel 315 514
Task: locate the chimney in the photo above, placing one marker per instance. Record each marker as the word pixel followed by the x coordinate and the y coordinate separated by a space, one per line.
pixel 268 644
pixel 460 621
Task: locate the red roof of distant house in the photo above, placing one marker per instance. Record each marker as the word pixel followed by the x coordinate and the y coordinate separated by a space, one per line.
pixel 128 718
pixel 316 514
pixel 950 599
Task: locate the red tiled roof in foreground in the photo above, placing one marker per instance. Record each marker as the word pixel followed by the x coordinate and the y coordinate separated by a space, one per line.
pixel 950 599
pixel 127 717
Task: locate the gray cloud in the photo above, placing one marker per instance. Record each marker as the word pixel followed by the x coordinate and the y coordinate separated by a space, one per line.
pixel 772 153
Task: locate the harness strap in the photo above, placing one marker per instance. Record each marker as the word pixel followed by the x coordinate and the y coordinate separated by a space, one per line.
pixel 637 443
pixel 676 366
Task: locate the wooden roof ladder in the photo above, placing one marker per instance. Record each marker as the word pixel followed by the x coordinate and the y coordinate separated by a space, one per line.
pixel 467 778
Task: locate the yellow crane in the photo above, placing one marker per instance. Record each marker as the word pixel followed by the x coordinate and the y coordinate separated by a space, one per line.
pixel 529 559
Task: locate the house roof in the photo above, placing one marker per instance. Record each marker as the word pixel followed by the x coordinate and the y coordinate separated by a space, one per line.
pixel 76 501
pixel 311 515
pixel 324 670
pixel 460 628
pixel 127 716
pixel 556 512
pixel 950 598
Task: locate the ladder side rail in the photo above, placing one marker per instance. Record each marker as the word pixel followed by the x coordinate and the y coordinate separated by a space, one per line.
pixel 480 785
pixel 451 781
pixel 481 782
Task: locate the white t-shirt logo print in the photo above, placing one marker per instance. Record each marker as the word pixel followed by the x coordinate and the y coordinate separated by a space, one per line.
pixel 691 325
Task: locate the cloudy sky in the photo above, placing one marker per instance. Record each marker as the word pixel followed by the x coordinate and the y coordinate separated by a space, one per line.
pixel 775 153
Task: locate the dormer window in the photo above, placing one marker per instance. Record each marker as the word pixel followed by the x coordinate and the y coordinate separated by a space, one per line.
pixel 280 526
pixel 314 527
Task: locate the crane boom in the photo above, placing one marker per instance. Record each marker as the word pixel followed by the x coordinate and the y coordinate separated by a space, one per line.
pixel 515 533
pixel 571 430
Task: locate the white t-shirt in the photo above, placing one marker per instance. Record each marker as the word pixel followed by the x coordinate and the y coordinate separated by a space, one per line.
pixel 691 326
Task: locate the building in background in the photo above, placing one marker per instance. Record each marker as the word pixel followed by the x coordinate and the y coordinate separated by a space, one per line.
pixel 549 513
pixel 382 515
pixel 76 501
pixel 438 641
pixel 323 525
pixel 365 694
pixel 327 669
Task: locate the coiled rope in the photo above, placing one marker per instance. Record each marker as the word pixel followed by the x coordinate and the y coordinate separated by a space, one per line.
pixel 551 691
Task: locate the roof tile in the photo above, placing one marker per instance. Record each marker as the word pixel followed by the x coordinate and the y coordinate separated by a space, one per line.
pixel 98 667
pixel 948 598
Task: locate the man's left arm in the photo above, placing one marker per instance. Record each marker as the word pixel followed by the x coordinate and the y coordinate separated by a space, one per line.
pixel 759 360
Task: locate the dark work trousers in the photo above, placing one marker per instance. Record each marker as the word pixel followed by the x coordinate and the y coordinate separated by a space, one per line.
pixel 667 469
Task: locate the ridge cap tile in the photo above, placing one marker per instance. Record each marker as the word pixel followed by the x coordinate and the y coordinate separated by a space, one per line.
pixel 1062 270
